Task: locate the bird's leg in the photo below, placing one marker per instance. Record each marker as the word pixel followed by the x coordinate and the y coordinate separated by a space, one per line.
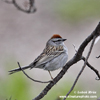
pixel 50 75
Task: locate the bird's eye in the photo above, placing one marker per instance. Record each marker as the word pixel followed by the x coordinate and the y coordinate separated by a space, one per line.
pixel 54 41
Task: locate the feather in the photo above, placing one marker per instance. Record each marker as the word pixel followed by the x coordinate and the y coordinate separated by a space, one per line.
pixel 49 53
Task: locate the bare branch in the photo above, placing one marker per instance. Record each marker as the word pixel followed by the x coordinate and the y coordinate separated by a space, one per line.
pixel 9 2
pixel 74 47
pixel 30 77
pixel 82 68
pixel 74 60
pixel 91 67
pixel 98 56
pixel 31 9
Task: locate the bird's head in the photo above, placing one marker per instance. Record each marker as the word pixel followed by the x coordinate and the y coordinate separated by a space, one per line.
pixel 56 40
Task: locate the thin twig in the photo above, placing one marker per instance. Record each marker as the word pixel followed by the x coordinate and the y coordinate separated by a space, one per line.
pixel 31 9
pixel 82 68
pixel 91 67
pixel 98 56
pixel 9 2
pixel 30 77
pixel 74 47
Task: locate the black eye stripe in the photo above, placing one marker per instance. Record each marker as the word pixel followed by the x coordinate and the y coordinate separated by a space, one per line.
pixel 56 40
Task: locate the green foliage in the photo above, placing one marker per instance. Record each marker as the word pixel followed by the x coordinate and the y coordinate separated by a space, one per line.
pixel 15 86
pixel 76 10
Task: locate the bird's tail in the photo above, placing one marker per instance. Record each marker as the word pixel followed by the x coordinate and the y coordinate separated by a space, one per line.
pixel 18 69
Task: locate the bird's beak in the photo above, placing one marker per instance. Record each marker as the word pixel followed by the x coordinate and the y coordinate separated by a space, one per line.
pixel 64 39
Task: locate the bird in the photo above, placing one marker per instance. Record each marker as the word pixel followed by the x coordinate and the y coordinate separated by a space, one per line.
pixel 53 57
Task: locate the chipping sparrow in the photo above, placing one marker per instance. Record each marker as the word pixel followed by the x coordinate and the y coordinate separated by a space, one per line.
pixel 53 57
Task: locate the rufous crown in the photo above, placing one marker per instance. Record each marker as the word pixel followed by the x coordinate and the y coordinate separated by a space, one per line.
pixel 56 36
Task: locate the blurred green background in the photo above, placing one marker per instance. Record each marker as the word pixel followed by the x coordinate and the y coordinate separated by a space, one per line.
pixel 77 10
pixel 20 38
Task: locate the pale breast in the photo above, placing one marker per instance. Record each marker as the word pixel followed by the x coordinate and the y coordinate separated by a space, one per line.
pixel 57 62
